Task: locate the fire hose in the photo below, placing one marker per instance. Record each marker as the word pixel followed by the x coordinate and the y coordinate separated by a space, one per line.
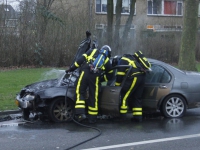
pixel 83 125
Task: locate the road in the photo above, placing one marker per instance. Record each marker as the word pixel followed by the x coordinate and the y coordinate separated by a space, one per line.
pixel 155 132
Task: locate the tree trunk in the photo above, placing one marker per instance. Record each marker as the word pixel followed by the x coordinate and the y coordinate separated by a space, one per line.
pixel 116 41
pixel 46 4
pixel 129 20
pixel 189 36
pixel 109 22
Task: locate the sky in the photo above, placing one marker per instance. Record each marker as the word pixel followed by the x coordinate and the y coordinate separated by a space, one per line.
pixel 13 3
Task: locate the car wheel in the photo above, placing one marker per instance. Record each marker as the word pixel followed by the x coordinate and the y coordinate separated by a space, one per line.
pixel 174 106
pixel 59 112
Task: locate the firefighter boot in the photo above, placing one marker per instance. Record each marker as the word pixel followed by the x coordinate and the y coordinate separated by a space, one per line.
pixel 80 117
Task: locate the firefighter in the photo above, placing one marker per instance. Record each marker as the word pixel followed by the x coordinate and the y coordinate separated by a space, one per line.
pixel 92 80
pixel 133 87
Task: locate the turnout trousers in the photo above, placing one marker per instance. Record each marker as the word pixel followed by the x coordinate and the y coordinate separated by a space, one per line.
pixel 92 81
pixel 131 94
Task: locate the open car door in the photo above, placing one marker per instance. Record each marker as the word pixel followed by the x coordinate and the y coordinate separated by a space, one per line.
pixel 83 47
pixel 110 97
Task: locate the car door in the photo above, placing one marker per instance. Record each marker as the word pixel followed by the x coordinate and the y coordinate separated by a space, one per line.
pixel 158 84
pixel 109 100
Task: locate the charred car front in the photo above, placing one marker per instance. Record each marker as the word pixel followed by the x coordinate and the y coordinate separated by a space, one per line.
pixel 41 97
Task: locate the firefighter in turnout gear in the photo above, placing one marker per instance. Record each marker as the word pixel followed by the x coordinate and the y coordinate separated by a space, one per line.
pixel 91 78
pixel 133 87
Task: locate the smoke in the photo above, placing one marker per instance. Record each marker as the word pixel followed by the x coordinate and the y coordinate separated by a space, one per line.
pixel 52 74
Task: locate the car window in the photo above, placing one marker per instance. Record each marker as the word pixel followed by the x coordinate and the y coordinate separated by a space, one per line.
pixel 158 75
pixel 166 77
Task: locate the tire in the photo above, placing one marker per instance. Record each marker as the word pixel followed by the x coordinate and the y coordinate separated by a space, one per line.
pixel 173 106
pixel 59 113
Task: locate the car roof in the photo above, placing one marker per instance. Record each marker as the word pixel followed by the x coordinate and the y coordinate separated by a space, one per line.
pixel 166 65
pixel 155 61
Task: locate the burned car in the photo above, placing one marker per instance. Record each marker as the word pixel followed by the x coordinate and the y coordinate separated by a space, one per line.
pixel 167 89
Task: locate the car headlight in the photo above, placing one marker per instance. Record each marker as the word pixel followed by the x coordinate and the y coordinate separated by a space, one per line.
pixel 29 97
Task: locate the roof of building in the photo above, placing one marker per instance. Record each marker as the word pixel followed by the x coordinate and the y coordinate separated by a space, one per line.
pixel 7 11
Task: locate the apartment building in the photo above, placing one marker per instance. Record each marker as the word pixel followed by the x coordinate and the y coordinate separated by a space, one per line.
pixel 157 24
pixel 158 15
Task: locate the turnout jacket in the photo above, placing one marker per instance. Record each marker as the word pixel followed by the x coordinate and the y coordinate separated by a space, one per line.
pixel 127 59
pixel 85 60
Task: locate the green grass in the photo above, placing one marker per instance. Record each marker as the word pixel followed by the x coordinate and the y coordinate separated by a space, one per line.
pixel 198 67
pixel 12 81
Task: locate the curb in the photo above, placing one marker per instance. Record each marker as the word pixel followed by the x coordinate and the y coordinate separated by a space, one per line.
pixel 8 112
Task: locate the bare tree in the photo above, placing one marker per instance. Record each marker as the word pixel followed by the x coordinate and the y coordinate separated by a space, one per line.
pixel 130 19
pixel 109 21
pixel 117 26
pixel 189 36
pixel 129 22
pixel 48 33
pixel 43 15
pixel 44 8
pixel 117 44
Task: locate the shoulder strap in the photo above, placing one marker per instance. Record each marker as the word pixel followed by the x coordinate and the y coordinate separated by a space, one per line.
pixel 90 57
pixel 131 62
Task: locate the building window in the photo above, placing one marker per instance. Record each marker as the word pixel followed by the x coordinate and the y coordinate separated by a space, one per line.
pixel 11 22
pixel 180 8
pixel 125 6
pixel 101 6
pixel 154 6
pixel 165 7
pixel 6 9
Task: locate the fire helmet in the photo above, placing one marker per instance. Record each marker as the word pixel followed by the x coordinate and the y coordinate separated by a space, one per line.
pixel 115 60
pixel 106 47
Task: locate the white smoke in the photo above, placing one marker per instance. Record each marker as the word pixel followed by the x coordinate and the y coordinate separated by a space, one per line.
pixel 53 74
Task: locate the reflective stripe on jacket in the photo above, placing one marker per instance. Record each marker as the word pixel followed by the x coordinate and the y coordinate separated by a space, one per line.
pixel 122 71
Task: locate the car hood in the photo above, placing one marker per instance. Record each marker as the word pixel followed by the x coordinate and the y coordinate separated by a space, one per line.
pixel 63 80
pixel 38 86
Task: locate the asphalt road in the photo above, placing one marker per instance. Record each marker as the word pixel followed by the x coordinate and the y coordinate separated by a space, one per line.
pixel 155 132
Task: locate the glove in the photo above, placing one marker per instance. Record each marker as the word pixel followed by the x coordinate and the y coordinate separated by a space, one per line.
pixel 88 34
pixel 68 70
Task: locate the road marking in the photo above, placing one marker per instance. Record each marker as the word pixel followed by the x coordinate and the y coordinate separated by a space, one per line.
pixel 145 142
pixel 11 123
